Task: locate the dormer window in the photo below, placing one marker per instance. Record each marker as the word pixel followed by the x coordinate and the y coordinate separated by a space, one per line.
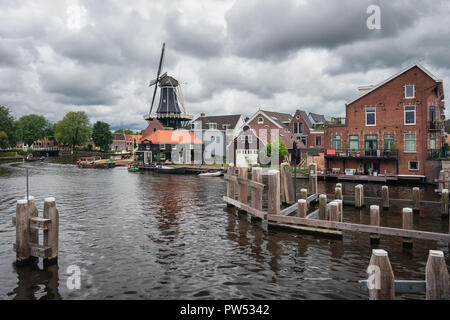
pixel 409 91
pixel 212 126
pixel 260 120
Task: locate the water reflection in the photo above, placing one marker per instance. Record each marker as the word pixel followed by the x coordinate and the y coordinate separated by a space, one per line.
pixel 34 282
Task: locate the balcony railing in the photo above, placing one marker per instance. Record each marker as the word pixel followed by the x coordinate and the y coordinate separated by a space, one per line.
pixel 435 126
pixel 438 154
pixel 370 153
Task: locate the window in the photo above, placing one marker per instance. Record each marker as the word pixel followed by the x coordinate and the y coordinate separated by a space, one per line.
pixel 413 165
pixel 192 126
pixel 318 140
pixel 212 126
pixel 410 142
pixel 410 115
pixel 388 142
pixel 353 142
pixel 298 127
pixel 303 140
pixel 433 141
pixel 371 116
pixel 409 91
pixel 336 142
pixel 260 120
pixel 162 147
pixel 226 126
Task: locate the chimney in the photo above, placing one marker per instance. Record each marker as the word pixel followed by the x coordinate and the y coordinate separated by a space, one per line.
pixel 246 119
pixel 202 114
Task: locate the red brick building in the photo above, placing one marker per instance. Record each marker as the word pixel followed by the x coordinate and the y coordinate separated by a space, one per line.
pixel 394 127
pixel 308 128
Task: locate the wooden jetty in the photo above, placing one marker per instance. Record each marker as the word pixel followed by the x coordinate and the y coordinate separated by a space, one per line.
pixel 28 223
pixel 328 219
pixel 382 285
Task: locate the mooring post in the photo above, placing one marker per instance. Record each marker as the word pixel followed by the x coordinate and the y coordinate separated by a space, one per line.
pixel 274 192
pixel 374 221
pixel 22 221
pixel 444 202
pixel 302 208
pixel 287 183
pixel 416 199
pixel 359 196
pixel 51 235
pixel 323 207
pixel 33 213
pixel 436 277
pixel 338 193
pixel 334 211
pixel 407 224
pixel 381 276
pixel 242 187
pixel 304 194
pixel 256 194
pixel 338 185
pixel 385 197
pixel 340 210
pixel 231 190
pixel 313 178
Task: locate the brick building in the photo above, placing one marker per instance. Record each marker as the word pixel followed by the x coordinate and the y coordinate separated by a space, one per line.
pixel 395 127
pixel 308 128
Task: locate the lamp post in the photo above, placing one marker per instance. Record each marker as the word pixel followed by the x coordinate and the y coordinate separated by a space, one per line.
pixel 295 171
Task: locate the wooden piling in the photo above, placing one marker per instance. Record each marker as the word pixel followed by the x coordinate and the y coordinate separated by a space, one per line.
pixel 436 277
pixel 231 186
pixel 338 193
pixel 256 194
pixel 302 208
pixel 407 224
pixel 338 185
pixel 274 192
pixel 242 187
pixel 51 235
pixel 22 246
pixel 287 183
pixel 416 199
pixel 323 207
pixel 385 197
pixel 313 178
pixel 444 202
pixel 334 211
pixel 359 196
pixel 383 285
pixel 304 194
pixel 374 221
pixel 340 210
pixel 33 213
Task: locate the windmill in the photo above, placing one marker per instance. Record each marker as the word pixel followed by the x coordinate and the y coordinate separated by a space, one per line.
pixel 171 111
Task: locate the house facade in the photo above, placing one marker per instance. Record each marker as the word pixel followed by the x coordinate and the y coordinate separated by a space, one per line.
pixel 394 127
pixel 119 143
pixel 308 128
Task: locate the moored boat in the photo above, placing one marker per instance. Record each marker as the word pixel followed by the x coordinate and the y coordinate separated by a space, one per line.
pixel 173 170
pixel 211 174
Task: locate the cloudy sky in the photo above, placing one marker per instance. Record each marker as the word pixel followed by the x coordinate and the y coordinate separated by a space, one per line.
pixel 230 56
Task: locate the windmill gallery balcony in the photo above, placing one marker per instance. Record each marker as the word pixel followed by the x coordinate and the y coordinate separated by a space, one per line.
pixel 363 154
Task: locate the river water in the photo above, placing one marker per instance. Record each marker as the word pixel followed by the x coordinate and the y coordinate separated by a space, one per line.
pixel 149 236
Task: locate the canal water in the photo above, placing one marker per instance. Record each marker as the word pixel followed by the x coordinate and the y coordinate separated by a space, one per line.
pixel 149 236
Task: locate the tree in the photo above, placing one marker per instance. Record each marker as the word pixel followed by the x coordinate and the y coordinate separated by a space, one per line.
pixel 7 125
pixel 277 144
pixel 126 131
pixel 4 142
pixel 50 131
pixel 74 129
pixel 102 136
pixel 31 128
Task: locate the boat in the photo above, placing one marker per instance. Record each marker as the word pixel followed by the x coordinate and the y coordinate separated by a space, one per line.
pixel 168 169
pixel 32 159
pixel 211 174
pixel 133 169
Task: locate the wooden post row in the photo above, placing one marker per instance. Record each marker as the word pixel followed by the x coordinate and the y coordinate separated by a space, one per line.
pixel 385 197
pixel 231 186
pixel 273 192
pixel 242 187
pixel 444 202
pixel 407 224
pixel 416 199
pixel 323 207
pixel 256 194
pixel 287 184
pixel 375 221
pixel 436 277
pixel 51 235
pixel 22 246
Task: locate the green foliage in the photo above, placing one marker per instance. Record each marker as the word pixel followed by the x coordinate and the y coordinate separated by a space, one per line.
pixel 4 142
pixel 158 157
pixel 126 131
pixel 102 136
pixel 31 128
pixel 74 129
pixel 7 125
pixel 276 144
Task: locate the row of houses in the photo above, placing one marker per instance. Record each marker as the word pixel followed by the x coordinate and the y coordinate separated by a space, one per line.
pixel 395 127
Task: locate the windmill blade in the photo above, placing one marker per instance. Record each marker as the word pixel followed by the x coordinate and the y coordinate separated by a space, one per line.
pixel 153 82
pixel 157 76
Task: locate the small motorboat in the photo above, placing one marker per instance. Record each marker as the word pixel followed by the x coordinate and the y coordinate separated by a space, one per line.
pixel 133 169
pixel 32 159
pixel 173 170
pixel 211 174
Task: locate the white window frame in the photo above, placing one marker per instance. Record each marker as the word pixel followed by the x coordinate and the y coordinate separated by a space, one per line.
pixel 371 110
pixel 409 165
pixel 404 115
pixel 406 91
pixel 162 147
pixel 415 143
pixel 260 120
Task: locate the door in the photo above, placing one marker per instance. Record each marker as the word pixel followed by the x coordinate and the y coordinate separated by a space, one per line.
pixel 371 145
pixel 432 115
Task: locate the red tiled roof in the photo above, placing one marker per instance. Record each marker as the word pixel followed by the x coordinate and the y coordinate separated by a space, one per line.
pixel 172 137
